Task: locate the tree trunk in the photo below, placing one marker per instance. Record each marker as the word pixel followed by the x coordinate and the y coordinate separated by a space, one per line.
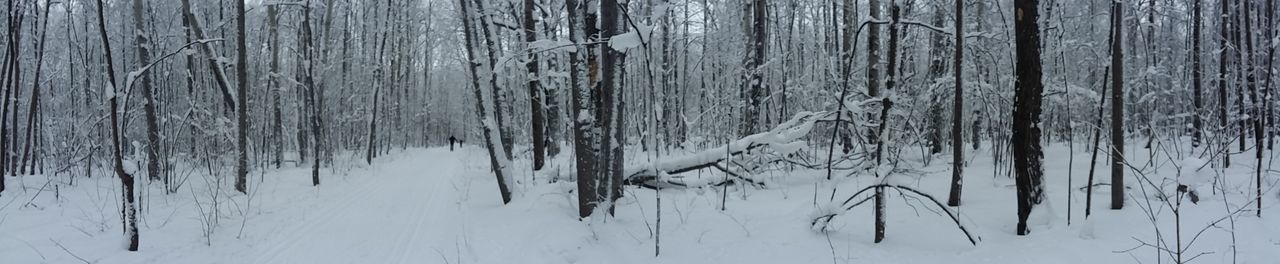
pixel 1269 90
pixel 957 114
pixel 220 76
pixel 130 209
pixel 273 84
pixel 1223 123
pixel 499 95
pixel 486 106
pixel 141 43
pixel 585 134
pixel 535 90
pixel 242 112
pixel 1027 154
pixel 1255 102
pixel 13 75
pixel 937 67
pixel 34 105
pixel 610 106
pixel 1117 107
pixel 754 83
pixel 873 63
pixel 312 94
pixel 1196 73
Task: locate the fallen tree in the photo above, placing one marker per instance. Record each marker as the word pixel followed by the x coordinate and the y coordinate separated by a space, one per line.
pixel 782 139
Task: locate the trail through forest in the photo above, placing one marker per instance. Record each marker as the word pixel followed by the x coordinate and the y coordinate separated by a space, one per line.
pixel 394 217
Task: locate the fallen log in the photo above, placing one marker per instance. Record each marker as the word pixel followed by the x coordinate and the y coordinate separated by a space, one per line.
pixel 782 139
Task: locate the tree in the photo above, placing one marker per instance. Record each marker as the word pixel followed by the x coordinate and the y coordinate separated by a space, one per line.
pixel 609 106
pixel 1223 57
pixel 1117 107
pixel 220 75
pixel 311 94
pixel 34 106
pixel 873 62
pixel 585 131
pixel 1268 89
pixel 154 160
pixel 753 82
pixel 486 106
pixel 1027 155
pixel 273 84
pixel 957 114
pixel 536 101
pixel 1196 72
pixel 126 178
pixel 242 112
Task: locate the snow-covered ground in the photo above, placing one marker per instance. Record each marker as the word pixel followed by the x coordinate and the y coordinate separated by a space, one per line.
pixel 437 206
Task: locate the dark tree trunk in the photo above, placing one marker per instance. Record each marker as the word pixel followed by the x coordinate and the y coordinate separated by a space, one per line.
pixel 535 90
pixel 13 75
pixel 1223 123
pixel 9 64
pixel 957 116
pixel 312 94
pixel 1196 73
pixel 34 106
pixel 1117 107
pixel 1027 154
pixel 1255 102
pixel 242 112
pixel 585 135
pixel 873 62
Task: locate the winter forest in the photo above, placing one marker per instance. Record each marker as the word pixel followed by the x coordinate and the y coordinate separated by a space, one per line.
pixel 639 131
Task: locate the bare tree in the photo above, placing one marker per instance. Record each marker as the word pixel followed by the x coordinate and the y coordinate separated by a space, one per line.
pixel 34 105
pixel 753 82
pixel 1223 123
pixel 536 100
pixel 609 105
pixel 1027 155
pixel 142 44
pixel 585 133
pixel 242 112
pixel 486 106
pixel 273 84
pixel 126 179
pixel 1196 73
pixel 957 112
pixel 1117 107
pixel 311 94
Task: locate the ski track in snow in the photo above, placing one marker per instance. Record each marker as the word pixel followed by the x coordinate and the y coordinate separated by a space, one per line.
pixel 386 219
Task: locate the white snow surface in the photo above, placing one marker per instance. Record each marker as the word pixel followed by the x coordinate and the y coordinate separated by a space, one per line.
pixel 437 206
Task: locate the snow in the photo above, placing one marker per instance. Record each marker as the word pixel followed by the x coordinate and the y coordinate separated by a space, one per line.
pixel 632 38
pixel 437 206
pixel 623 42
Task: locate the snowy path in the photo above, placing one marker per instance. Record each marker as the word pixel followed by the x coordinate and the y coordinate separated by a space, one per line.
pixel 392 217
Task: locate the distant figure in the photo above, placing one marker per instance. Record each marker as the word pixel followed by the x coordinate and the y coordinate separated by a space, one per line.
pixel 452 140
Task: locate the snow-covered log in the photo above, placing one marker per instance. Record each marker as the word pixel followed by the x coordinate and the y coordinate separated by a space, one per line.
pixel 782 139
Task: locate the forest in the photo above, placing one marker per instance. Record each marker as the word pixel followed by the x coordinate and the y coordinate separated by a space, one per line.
pixel 639 131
